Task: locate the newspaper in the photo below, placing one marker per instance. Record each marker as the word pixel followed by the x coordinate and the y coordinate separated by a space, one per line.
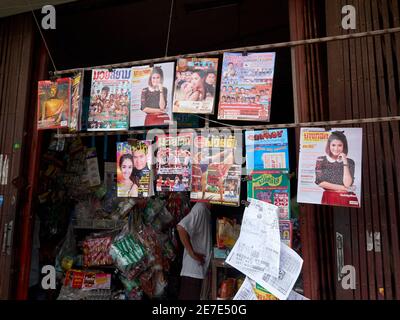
pixel 245 291
pixel 296 296
pixel 289 270
pixel 257 251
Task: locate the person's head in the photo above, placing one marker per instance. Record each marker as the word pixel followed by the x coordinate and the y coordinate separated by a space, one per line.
pixel 230 89
pixel 230 66
pixel 337 144
pixel 237 89
pixel 262 92
pixel 104 92
pixel 140 156
pixel 197 79
pixel 156 77
pixel 242 90
pixel 210 78
pixel 126 165
pixel 188 75
pixel 53 90
pixel 224 89
pixel 223 98
pixel 177 180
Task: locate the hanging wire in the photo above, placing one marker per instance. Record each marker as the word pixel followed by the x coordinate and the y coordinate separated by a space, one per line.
pixel 169 28
pixel 41 34
pixel 217 122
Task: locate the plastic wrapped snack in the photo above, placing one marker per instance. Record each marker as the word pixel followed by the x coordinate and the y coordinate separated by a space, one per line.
pixel 96 251
pixel 127 252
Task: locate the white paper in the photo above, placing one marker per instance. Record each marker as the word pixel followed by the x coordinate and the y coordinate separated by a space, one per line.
pixel 246 291
pixel 257 250
pixel 296 296
pixel 4 178
pixel 289 271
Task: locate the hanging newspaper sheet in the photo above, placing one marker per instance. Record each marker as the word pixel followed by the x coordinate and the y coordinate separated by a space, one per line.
pixel 246 86
pixel 174 162
pixel 215 175
pixel 110 98
pixel 195 82
pixel 152 95
pixel 330 167
pixel 257 251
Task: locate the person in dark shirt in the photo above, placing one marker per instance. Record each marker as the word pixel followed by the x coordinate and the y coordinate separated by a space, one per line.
pixel 154 99
pixel 335 173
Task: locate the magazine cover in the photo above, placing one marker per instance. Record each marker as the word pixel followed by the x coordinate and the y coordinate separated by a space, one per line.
pixel 54 103
pixel 142 160
pixel 246 86
pixel 195 82
pixel 267 149
pixel 286 230
pixel 125 186
pixel 330 167
pixel 109 100
pixel 272 186
pixel 152 87
pixel 174 162
pixel 76 102
pixel 215 176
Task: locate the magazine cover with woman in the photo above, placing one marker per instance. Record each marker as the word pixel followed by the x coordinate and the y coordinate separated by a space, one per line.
pixel 195 82
pixel 152 87
pixel 109 100
pixel 134 168
pixel 330 167
pixel 246 86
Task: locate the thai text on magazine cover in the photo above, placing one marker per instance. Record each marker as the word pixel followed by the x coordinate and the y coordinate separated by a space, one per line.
pixel 195 83
pixel 216 173
pixel 246 86
pixel 272 186
pixel 267 149
pixel 174 162
pixel 110 98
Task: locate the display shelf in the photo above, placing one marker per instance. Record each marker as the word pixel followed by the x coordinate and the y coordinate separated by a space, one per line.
pixel 104 224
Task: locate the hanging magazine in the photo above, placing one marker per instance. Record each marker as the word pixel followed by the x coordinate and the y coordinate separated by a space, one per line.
pixel 267 149
pixel 152 95
pixel 246 86
pixel 133 168
pixel 109 100
pixel 142 160
pixel 330 167
pixel 215 175
pixel 76 102
pixel 272 186
pixel 195 82
pixel 54 103
pixel 174 162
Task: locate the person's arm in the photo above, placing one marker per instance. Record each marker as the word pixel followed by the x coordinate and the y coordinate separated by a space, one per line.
pixel 185 239
pixel 347 175
pixel 163 95
pixel 331 186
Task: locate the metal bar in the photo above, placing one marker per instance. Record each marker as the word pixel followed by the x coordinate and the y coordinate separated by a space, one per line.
pixel 238 128
pixel 249 48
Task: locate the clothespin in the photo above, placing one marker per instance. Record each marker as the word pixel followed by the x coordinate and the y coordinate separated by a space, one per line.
pixel 247 178
pixel 151 64
pixel 245 203
pixel 244 53
pixel 110 69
